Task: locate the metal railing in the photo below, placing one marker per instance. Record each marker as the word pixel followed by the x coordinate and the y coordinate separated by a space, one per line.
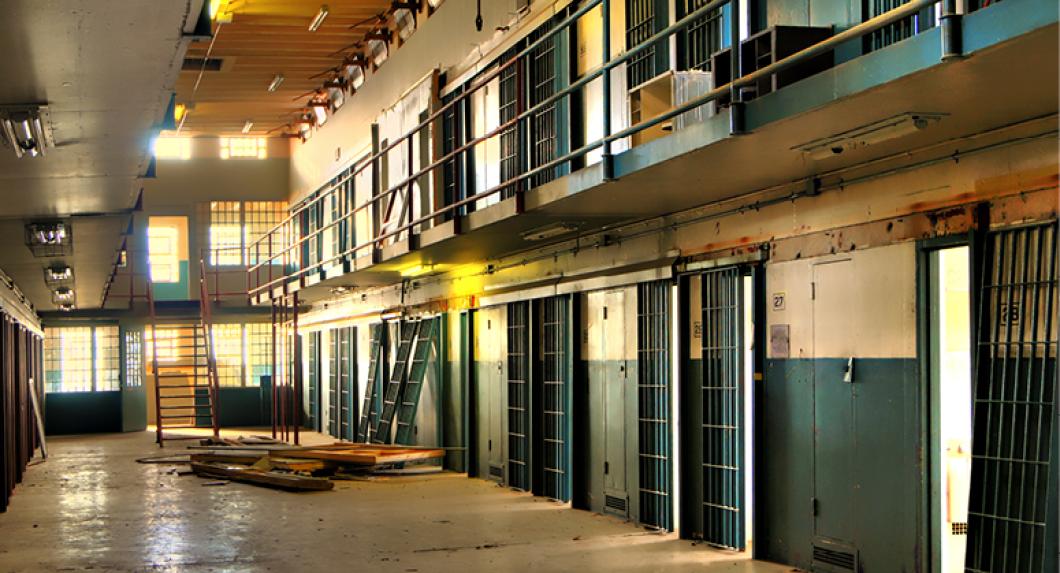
pixel 285 252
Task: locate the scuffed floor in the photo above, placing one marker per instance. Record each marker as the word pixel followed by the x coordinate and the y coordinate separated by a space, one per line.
pixel 91 507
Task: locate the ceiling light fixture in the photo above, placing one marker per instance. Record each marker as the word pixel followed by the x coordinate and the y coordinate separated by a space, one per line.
pixel 319 19
pixel 64 293
pixel 874 133
pixel 248 126
pixel 58 273
pixel 275 83
pixel 66 306
pixel 550 231
pixel 24 129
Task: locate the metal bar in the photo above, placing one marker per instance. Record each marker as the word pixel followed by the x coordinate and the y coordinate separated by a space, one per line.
pixel 272 366
pixel 605 79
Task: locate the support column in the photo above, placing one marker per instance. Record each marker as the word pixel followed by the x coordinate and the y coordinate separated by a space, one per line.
pixel 952 46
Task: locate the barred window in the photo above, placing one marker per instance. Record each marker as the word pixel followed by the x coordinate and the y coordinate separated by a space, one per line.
pixel 228 353
pixel 259 352
pixel 226 237
pixel 81 359
pixel 134 358
pixel 244 147
pixel 260 217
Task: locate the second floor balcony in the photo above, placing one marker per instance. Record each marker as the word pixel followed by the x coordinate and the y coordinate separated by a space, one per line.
pixel 562 134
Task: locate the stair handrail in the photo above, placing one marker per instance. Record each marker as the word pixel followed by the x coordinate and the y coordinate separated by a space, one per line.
pixel 205 318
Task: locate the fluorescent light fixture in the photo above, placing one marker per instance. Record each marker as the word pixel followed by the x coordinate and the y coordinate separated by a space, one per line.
pixel 392 314
pixel 550 231
pixel 320 112
pixel 48 233
pixel 872 134
pixel 249 125
pixel 22 127
pixel 416 270
pixel 59 273
pixel 319 19
pixel 275 83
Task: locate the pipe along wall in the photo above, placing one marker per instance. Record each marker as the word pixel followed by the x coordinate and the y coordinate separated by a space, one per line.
pixel 20 366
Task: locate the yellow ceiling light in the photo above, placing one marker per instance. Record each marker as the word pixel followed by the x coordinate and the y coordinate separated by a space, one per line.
pixel 178 112
pixel 220 11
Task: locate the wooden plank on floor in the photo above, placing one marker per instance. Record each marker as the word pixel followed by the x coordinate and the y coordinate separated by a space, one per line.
pixel 257 477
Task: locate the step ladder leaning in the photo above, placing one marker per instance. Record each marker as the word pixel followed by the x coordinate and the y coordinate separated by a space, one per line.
pixel 185 372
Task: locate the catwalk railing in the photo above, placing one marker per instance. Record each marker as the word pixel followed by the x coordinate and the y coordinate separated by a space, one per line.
pixel 279 255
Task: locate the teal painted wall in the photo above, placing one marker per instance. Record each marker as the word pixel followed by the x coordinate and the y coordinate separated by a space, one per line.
pixel 82 413
pixel 174 291
pixel 874 432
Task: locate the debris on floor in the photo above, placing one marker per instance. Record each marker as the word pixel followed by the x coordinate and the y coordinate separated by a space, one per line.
pixel 271 463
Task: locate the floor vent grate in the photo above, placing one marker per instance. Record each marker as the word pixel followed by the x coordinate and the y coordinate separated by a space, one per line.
pixel 834 558
pixel 497 471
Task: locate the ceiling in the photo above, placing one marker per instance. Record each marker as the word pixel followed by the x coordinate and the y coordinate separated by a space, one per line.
pixel 265 38
pixel 105 69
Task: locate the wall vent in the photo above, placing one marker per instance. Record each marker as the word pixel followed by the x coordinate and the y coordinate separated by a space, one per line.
pixel 205 64
pixel 496 472
pixel 829 556
pixel 959 528
pixel 615 504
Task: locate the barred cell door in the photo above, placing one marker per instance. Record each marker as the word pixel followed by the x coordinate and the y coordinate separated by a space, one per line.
pixel 555 398
pixel 519 395
pixel 722 392
pixel 653 404
pixel 1014 394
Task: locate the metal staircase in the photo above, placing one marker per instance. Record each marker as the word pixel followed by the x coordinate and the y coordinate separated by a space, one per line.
pixel 184 369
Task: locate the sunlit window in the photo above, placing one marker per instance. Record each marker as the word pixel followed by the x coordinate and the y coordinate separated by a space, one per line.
pixel 259 353
pixel 172 147
pixel 134 358
pixel 163 253
pixel 244 147
pixel 226 233
pixel 228 353
pixel 81 359
pixel 260 218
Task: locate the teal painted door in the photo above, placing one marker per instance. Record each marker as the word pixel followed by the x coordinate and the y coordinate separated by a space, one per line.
pixel 613 345
pixel 490 400
pixel 834 475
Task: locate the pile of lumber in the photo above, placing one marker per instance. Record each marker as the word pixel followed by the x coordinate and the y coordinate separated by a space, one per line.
pixel 294 468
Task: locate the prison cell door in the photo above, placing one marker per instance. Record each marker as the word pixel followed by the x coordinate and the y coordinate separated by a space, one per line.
pixel 490 394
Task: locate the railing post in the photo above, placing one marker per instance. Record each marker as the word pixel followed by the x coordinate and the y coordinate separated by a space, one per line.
pixel 605 78
pixel 376 190
pixel 297 344
pixel 273 366
pixel 737 125
pixel 952 46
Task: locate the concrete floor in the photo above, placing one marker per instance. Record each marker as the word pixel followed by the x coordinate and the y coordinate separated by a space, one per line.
pixel 92 507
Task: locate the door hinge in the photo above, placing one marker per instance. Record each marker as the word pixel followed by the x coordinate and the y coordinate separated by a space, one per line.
pixel 489 445
pixel 813 506
pixel 607 468
pixel 605 313
pixel 813 291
